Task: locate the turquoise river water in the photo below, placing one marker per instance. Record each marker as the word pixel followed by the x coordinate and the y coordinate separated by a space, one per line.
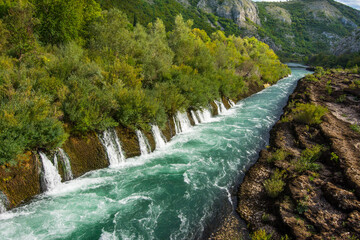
pixel 173 193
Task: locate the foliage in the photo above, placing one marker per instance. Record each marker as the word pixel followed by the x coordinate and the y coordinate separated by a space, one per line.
pixel 304 34
pixel 69 67
pixel 334 157
pixel 63 21
pixel 308 113
pixel 278 156
pixel 308 158
pixel 275 185
pixel 355 128
pixel 261 235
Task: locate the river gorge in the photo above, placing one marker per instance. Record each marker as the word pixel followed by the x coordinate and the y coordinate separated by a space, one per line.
pixel 175 192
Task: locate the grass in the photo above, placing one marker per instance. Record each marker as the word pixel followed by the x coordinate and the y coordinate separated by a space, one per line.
pixel 355 128
pixel 308 158
pixel 278 155
pixel 275 185
pixel 308 113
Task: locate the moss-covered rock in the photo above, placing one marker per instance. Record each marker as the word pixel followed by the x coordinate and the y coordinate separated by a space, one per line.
pixel 86 154
pixel 129 141
pixel 21 182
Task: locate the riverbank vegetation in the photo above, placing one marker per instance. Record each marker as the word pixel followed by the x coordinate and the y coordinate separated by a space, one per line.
pixel 68 67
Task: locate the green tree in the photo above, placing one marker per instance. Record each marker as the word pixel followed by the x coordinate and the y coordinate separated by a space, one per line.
pixel 62 21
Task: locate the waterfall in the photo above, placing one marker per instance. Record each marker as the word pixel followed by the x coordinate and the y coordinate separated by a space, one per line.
pixel 182 122
pixel 204 115
pixel 2 207
pixel 231 103
pixel 158 136
pixel 195 118
pixel 68 175
pixel 220 105
pixel 4 202
pixel 112 145
pixel 177 127
pixel 143 143
pixel 51 177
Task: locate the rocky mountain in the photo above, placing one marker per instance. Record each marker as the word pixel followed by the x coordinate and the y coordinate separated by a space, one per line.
pixel 300 28
pixel 240 11
pixel 295 29
pixel 350 44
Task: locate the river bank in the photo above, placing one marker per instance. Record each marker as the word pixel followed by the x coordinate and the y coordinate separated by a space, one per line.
pixel 306 183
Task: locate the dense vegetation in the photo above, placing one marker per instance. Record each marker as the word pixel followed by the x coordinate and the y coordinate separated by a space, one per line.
pixel 331 61
pixel 66 70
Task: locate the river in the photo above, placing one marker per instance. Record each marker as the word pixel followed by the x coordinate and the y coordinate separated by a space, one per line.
pixel 173 193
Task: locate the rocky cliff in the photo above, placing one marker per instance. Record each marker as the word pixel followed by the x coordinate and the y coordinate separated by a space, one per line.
pixel 350 44
pixel 240 11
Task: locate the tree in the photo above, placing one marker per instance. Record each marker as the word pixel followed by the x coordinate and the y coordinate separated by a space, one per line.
pixel 64 20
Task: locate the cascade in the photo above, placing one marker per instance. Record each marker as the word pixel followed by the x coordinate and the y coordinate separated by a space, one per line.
pixel 112 145
pixel 177 127
pixel 182 122
pixel 195 118
pixel 50 175
pixel 68 175
pixel 231 103
pixel 204 115
pixel 2 207
pixel 158 136
pixel 221 108
pixel 3 202
pixel 143 143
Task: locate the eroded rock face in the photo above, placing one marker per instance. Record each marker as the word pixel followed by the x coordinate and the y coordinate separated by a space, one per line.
pixel 315 204
pixel 237 10
pixel 350 44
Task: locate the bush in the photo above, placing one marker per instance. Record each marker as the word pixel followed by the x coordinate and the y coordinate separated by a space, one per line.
pixel 308 113
pixel 275 185
pixel 311 78
pixel 355 128
pixel 261 235
pixel 307 159
pixel 278 155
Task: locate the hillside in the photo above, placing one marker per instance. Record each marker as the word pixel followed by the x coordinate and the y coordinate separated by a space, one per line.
pixel 295 29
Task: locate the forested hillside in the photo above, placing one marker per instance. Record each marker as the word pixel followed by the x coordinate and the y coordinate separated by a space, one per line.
pixel 295 29
pixel 70 67
pixel 300 28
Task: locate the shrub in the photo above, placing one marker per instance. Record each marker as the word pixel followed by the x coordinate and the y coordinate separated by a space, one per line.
pixel 278 155
pixel 307 159
pixel 311 78
pixel 334 157
pixel 341 99
pixel 261 235
pixel 355 128
pixel 275 185
pixel 309 113
pixel 328 87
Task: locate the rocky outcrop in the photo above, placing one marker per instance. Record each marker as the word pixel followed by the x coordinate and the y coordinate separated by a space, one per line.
pixel 350 44
pixel 319 202
pixel 86 154
pixel 237 10
pixel 21 182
